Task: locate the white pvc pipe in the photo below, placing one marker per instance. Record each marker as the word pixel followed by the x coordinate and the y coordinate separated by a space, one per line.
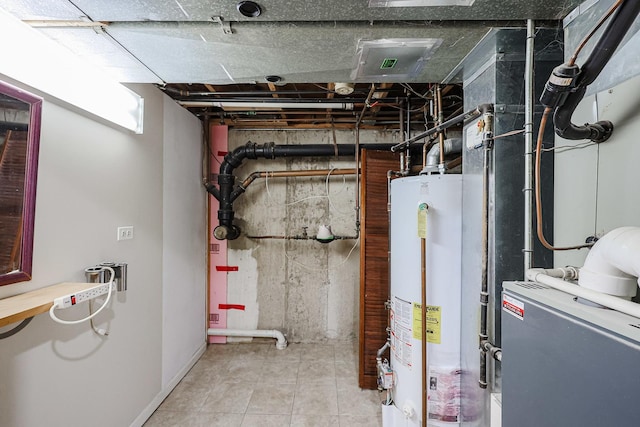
pixel 616 303
pixel 613 263
pixel 281 342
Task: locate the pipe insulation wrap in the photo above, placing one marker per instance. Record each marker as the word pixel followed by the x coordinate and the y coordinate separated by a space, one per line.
pixel 613 263
pixel 281 342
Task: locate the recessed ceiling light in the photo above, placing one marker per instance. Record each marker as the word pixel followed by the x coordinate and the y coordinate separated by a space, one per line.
pixel 250 9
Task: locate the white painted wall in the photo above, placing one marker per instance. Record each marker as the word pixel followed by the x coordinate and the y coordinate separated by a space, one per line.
pixel 93 178
pixel 596 188
pixel 307 289
pixel 184 242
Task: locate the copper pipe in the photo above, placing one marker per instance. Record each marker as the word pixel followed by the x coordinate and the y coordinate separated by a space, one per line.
pixel 424 154
pixel 283 174
pixel 423 253
pixel 543 240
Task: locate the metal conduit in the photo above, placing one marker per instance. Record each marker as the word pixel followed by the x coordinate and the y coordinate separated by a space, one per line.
pixel 528 147
pixel 464 117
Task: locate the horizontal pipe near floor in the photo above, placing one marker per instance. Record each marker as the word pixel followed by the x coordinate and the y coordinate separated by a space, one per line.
pixel 281 342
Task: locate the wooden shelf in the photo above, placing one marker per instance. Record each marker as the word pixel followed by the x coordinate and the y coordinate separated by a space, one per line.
pixel 20 307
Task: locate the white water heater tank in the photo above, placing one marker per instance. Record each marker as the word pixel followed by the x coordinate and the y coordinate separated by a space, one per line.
pixel 440 196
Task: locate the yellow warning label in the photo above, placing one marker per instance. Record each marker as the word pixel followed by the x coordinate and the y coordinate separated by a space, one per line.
pixel 434 323
pixel 422 220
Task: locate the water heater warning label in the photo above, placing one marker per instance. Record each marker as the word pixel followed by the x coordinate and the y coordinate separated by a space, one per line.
pixel 513 306
pixel 401 326
pixel 434 323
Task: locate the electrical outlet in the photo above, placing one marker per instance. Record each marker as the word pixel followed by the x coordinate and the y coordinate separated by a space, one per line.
pixel 125 233
pixel 73 299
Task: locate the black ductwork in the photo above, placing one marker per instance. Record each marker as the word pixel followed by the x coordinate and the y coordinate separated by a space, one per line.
pixel 227 192
pixel 564 93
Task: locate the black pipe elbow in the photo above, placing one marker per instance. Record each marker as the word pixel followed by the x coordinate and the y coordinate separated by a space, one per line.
pixel 233 159
pixel 567 85
pixel 597 132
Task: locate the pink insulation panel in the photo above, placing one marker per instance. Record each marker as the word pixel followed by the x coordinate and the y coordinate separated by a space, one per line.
pixel 218 141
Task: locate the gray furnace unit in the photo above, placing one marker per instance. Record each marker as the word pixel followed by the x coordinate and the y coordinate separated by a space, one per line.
pixel 567 364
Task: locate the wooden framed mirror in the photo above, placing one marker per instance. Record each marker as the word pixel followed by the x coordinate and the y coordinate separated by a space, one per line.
pixel 20 114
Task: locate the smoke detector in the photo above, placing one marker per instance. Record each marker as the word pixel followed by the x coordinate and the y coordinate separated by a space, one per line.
pixel 344 88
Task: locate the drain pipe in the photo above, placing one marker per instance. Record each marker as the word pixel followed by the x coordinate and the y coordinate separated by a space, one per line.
pixel 226 192
pixel 281 341
pixel 609 274
pixel 568 83
pixel 613 263
pixel 616 303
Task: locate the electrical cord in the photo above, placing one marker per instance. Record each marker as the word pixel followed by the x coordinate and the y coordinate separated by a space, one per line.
pixel 295 202
pixel 306 267
pixel 99 331
pixel 91 316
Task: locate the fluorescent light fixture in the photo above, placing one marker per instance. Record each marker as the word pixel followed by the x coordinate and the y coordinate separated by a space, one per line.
pixel 35 60
pixel 268 105
pixel 419 3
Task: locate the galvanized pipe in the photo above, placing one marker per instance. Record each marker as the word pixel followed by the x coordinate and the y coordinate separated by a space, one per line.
pixel 464 117
pixel 441 133
pixel 484 292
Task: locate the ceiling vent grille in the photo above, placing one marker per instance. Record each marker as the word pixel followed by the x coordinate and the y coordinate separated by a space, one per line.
pixel 392 60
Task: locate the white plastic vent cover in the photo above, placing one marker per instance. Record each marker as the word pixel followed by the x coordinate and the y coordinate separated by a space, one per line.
pixel 392 59
pixel 416 3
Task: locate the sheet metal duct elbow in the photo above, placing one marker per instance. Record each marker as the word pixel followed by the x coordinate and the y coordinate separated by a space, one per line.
pixel 613 264
pixel 451 145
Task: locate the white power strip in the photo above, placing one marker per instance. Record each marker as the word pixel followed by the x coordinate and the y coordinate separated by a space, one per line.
pixel 86 295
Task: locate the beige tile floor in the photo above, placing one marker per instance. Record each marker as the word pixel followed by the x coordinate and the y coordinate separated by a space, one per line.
pixel 254 384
